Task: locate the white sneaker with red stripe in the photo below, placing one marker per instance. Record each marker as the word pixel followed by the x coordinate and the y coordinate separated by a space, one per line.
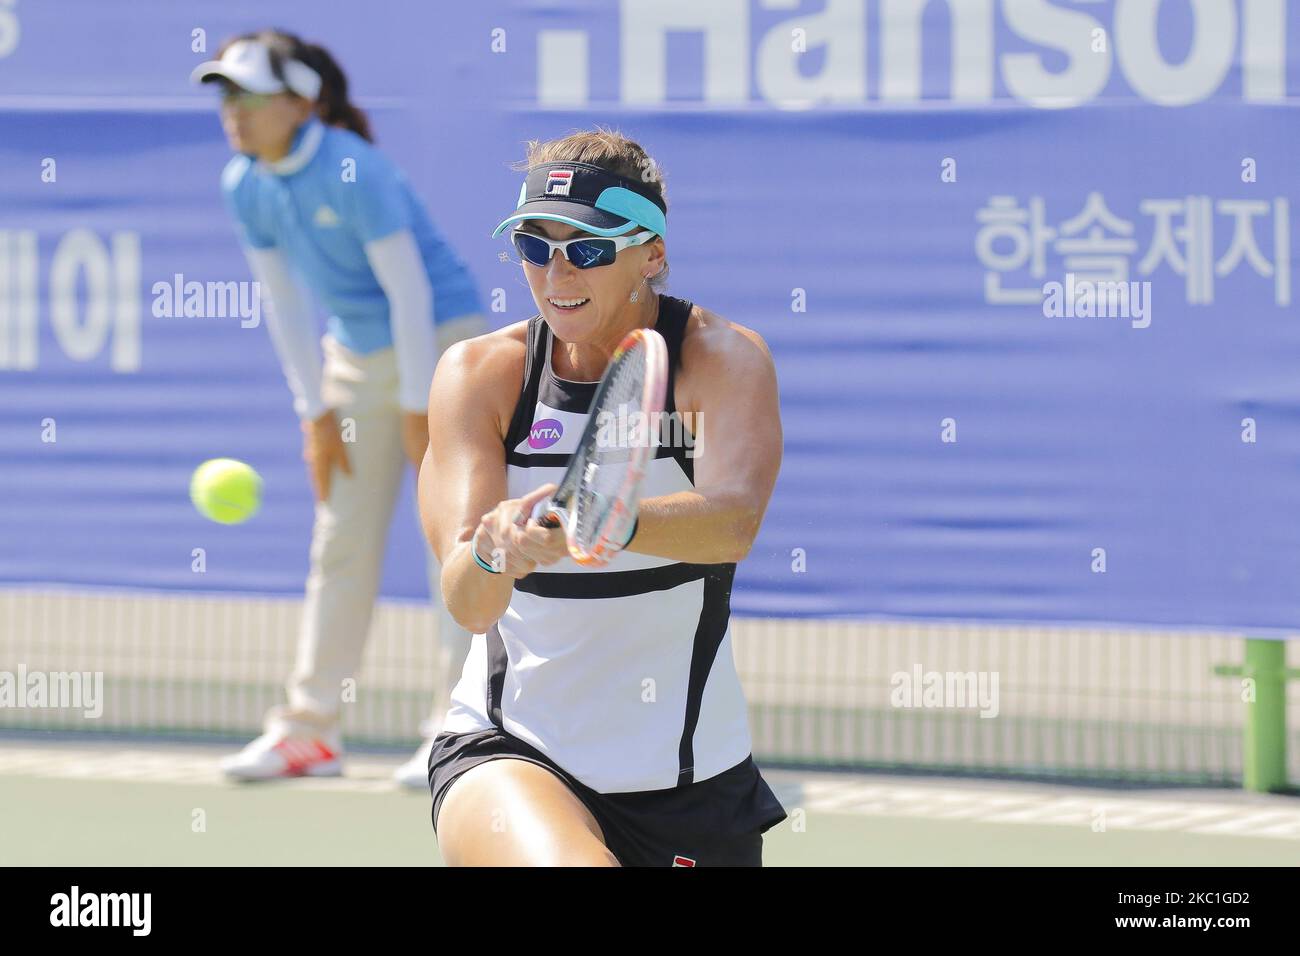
pixel 275 754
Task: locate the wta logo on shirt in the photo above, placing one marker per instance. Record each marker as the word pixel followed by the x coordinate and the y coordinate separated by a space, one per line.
pixel 558 182
pixel 545 433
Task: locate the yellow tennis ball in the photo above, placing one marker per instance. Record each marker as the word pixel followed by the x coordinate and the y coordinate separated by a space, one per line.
pixel 226 490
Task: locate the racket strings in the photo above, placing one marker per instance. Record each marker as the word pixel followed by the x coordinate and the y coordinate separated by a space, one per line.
pixel 609 449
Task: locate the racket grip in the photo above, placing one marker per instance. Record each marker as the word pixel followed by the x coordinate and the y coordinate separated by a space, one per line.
pixel 543 515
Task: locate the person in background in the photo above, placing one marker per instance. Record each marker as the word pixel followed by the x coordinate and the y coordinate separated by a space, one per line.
pixel 315 202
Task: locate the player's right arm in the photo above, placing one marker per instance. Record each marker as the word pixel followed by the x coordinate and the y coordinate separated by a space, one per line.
pixel 462 485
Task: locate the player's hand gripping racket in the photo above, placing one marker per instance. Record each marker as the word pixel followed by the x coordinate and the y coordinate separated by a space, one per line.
pixel 596 499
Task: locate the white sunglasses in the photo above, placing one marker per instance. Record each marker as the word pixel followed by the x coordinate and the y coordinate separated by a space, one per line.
pixel 586 252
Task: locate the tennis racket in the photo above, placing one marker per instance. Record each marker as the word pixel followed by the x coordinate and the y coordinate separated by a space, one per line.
pixel 596 499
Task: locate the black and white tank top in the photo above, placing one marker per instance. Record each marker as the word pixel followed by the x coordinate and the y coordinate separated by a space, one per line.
pixel 623 674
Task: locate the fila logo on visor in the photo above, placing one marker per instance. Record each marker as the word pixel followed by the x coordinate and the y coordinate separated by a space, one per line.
pixel 558 182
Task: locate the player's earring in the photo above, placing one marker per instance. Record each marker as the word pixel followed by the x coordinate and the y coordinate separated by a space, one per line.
pixel 636 293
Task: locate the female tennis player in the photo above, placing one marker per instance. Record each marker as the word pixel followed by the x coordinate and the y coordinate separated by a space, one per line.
pixel 316 202
pixel 599 719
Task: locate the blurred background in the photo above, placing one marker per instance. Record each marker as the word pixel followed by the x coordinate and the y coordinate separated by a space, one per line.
pixel 1093 516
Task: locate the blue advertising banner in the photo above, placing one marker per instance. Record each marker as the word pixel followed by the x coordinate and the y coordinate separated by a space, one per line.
pixel 1025 267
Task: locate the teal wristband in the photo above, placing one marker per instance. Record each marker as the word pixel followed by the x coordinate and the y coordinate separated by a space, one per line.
pixel 636 523
pixel 473 549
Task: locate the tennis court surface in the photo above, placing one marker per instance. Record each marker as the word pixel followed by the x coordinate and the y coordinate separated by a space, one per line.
pixel 127 802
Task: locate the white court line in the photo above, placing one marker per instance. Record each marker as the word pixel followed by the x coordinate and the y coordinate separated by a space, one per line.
pixel 177 767
pixel 940 799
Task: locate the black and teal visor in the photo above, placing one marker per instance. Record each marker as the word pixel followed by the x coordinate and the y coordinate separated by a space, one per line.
pixel 589 198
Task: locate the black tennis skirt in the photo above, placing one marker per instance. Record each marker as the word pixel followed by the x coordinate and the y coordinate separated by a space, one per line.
pixel 715 822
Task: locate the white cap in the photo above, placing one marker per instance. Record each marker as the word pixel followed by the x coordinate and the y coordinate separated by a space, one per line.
pixel 247 64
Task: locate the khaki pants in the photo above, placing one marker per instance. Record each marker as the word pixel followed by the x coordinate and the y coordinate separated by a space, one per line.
pixel 347 550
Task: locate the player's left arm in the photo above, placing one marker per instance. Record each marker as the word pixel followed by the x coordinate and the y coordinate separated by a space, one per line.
pixel 737 454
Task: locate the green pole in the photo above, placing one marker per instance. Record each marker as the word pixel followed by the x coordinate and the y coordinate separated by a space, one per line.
pixel 1264 755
